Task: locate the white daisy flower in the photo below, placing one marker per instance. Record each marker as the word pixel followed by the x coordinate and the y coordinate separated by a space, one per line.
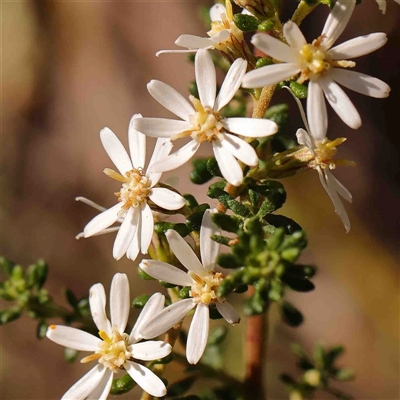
pixel 222 27
pixel 382 5
pixel 323 160
pixel 138 187
pixel 115 349
pixel 203 122
pixel 319 63
pixel 203 279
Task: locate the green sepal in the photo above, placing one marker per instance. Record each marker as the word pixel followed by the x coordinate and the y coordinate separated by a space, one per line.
pixel 291 315
pixel 140 301
pixel 122 385
pixel 182 386
pixel 245 22
pixel 299 90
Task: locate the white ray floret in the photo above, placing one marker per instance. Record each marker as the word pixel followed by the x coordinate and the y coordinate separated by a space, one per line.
pixel 323 160
pixel 114 350
pixel 222 27
pixel 382 5
pixel 203 279
pixel 202 121
pixel 138 187
pixel 323 65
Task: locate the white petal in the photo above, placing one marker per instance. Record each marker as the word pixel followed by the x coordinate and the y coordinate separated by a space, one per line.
pixel 103 220
pixel 339 208
pixel 146 228
pixel 193 42
pixel 360 83
pixel 240 149
pixel 137 144
pixel 316 111
pixel 90 203
pixel 119 301
pixel 209 248
pixel 167 199
pixel 220 36
pixel 227 163
pixel 134 247
pixel 166 272
pixel 167 318
pixel 275 48
pixel 382 5
pixel 170 99
pixel 115 150
pixel 250 127
pixel 97 301
pixel 126 233
pixel 358 46
pixel 337 21
pixel 340 188
pixel 160 127
pixel 198 334
pixel 151 350
pixel 184 253
pixel 153 306
pixel 269 75
pixel 175 160
pixel 300 106
pixel 74 338
pixel 146 379
pixel 205 77
pixel 175 51
pixel 228 312
pixel 293 35
pixel 304 139
pixel 341 103
pixel 216 12
pixel 86 385
pixel 231 83
pixel 103 388
pixel 161 150
pixel 103 232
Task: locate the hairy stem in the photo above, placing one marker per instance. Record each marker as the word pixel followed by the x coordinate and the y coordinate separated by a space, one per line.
pixel 303 9
pixel 256 355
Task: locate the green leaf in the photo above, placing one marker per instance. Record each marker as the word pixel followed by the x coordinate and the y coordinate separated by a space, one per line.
pixel 299 90
pixel 229 260
pixel 140 301
pixel 70 355
pixel 291 315
pixel 344 374
pixel 238 208
pixel 217 335
pixel 193 222
pixel 288 380
pixel 180 387
pixel 280 221
pixel 163 226
pixel 191 201
pixel 7 266
pixel 333 354
pixel 214 313
pixel 200 173
pixel 71 298
pixel 299 285
pixel 41 329
pixel 9 314
pixel 245 22
pixel 225 240
pixel 226 222
pixel 300 271
pixel 213 168
pixel 36 274
pixel 122 385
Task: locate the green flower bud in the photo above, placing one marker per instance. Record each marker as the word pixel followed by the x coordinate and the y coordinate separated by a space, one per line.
pixel 245 22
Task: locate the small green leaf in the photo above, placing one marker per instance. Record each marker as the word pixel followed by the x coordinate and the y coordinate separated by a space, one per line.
pixel 36 274
pixel 71 298
pixel 9 314
pixel 191 201
pixel 70 355
pixel 225 240
pixel 344 374
pixel 280 221
pixel 226 222
pixel 7 266
pixel 299 90
pixel 122 385
pixel 238 208
pixel 299 285
pixel 200 173
pixel 291 315
pixel 213 168
pixel 193 222
pixel 229 260
pixel 140 301
pixel 41 329
pixel 245 22
pixel 143 275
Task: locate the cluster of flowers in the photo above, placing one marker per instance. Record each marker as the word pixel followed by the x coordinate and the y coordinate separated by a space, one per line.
pixel 324 66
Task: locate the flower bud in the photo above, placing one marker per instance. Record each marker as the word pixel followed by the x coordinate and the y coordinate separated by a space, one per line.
pixel 312 377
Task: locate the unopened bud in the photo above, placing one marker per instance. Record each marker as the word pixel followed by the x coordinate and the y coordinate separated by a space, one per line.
pixel 312 377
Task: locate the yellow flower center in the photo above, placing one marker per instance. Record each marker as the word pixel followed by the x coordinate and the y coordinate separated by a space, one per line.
pixel 325 153
pixel 204 290
pixel 315 61
pixel 136 187
pixel 206 124
pixel 113 352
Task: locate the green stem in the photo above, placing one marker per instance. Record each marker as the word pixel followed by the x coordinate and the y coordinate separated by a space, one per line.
pixel 302 11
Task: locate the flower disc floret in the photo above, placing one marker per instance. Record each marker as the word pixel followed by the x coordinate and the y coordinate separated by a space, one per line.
pixel 204 289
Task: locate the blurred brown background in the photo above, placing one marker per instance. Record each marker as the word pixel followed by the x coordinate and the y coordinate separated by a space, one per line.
pixel 70 68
